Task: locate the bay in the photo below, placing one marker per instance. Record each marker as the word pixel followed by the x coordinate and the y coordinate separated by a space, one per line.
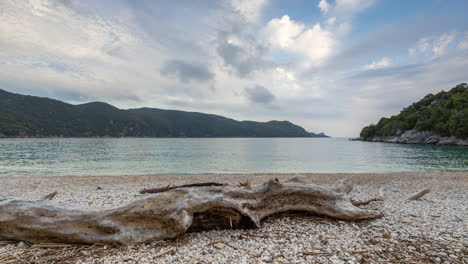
pixel 141 156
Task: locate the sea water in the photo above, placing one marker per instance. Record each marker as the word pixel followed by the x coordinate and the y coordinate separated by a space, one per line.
pixel 139 156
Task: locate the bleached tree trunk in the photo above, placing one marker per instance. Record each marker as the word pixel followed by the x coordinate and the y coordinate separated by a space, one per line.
pixel 172 213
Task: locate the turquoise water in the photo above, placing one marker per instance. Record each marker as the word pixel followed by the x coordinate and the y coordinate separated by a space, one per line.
pixel 123 156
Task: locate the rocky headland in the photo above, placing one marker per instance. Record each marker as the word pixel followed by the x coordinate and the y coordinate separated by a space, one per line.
pixel 440 119
pixel 417 137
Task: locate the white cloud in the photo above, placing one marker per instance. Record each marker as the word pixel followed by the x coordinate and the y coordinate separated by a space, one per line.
pixel 349 8
pixel 343 29
pixel 315 42
pixel 68 46
pixel 202 55
pixel 434 46
pixel 331 20
pixel 383 63
pixel 282 32
pixel 288 75
pixel 324 6
pixel 442 43
pixel 250 9
pixel 57 30
pixel 463 45
pixel 424 45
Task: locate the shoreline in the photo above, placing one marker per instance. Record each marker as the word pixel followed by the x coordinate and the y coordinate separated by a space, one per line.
pixel 83 181
pixel 429 141
pixel 408 143
pixel 58 137
pixel 429 230
pixel 179 177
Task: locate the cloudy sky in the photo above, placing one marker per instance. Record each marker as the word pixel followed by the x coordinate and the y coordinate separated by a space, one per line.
pixel 327 65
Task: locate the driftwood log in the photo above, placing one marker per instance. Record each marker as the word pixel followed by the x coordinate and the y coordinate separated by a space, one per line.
pixel 50 196
pixel 418 195
pixel 168 188
pixel 171 213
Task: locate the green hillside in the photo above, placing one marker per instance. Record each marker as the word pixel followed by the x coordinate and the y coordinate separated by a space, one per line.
pixel 444 114
pixel 30 116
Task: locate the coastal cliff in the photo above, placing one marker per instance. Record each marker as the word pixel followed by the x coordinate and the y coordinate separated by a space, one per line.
pixel 440 119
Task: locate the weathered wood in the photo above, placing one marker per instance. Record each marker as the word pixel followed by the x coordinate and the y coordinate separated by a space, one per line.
pixel 50 196
pixel 171 213
pixel 168 188
pixel 365 202
pixel 165 252
pixel 418 195
pixel 379 198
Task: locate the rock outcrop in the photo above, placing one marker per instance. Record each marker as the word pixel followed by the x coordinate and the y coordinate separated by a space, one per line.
pixel 417 137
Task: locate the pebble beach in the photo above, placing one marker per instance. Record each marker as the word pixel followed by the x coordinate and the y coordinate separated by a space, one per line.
pixel 433 229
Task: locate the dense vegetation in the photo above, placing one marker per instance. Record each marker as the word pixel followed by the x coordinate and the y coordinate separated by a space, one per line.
pixel 30 116
pixel 444 114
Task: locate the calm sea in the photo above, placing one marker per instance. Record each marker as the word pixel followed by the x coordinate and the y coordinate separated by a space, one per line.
pixel 123 156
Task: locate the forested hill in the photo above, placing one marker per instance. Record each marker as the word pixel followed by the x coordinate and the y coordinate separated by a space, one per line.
pixel 30 116
pixel 444 114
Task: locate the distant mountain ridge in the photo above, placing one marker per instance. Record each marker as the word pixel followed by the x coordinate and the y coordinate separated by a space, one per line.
pixel 440 119
pixel 31 116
